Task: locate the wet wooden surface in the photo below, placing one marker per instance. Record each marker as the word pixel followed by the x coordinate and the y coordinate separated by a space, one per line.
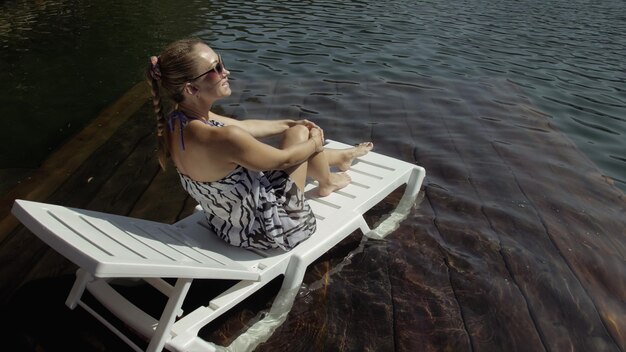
pixel 518 242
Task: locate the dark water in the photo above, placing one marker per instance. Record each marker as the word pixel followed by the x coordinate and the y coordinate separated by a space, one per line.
pixel 430 80
pixel 64 61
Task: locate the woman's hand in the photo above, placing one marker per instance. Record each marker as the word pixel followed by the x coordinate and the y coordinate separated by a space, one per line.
pixel 307 123
pixel 310 125
pixel 317 135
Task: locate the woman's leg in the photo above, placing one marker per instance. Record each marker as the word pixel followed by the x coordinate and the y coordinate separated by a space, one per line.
pixel 317 166
pixel 342 158
pixel 295 135
pixel 319 169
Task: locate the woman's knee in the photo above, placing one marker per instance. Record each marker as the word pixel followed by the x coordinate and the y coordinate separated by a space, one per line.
pixel 296 134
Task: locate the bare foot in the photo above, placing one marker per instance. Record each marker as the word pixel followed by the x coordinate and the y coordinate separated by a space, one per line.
pixel 336 181
pixel 352 153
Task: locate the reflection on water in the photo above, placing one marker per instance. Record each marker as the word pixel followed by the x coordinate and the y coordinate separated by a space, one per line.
pixel 565 55
pixel 519 240
pixel 66 60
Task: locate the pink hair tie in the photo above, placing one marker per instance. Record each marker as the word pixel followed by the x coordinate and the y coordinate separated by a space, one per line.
pixel 155 69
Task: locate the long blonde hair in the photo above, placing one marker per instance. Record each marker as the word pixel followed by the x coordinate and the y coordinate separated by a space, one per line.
pixel 171 70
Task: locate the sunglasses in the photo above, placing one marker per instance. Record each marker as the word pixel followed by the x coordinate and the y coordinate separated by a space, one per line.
pixel 215 71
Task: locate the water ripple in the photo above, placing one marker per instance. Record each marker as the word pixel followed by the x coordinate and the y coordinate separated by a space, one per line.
pixel 374 57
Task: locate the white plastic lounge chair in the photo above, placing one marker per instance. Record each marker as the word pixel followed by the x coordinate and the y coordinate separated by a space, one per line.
pixel 106 246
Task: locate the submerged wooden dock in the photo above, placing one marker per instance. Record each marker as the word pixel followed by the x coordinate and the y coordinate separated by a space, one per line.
pixel 505 251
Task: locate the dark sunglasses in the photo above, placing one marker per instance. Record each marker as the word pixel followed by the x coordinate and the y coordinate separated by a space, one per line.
pixel 216 70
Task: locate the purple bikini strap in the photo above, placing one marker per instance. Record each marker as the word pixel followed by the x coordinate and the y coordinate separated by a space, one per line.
pixel 183 121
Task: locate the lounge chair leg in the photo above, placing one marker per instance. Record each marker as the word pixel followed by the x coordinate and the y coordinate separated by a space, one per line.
pixel 82 279
pixel 260 331
pixel 174 303
pixel 294 274
pixel 363 226
pixel 415 183
pixel 402 210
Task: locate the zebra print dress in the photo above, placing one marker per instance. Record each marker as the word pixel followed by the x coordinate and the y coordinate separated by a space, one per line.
pixel 254 209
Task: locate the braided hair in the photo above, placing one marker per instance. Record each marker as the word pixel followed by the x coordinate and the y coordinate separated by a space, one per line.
pixel 171 70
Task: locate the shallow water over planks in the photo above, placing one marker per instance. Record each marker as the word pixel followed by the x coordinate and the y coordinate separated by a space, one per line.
pixel 518 242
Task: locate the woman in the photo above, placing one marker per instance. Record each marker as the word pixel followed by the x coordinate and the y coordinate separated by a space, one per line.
pixel 252 193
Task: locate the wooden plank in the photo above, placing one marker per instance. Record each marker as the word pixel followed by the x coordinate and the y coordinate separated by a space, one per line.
pixel 57 168
pixel 479 276
pixel 171 196
pixel 570 201
pixel 498 187
pixel 83 189
pixel 133 172
pixel 427 315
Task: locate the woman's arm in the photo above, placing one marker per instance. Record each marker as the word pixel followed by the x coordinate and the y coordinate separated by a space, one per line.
pixel 266 128
pixel 244 149
pixel 262 128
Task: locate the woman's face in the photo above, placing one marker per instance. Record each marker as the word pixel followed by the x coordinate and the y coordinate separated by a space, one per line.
pixel 211 80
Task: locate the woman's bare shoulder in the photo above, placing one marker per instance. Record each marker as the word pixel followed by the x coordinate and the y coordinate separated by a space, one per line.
pixel 223 136
pixel 228 121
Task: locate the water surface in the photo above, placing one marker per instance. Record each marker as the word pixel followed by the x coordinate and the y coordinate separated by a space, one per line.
pixel 516 109
pixel 64 61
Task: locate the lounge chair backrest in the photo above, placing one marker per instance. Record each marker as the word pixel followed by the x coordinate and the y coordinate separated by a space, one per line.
pixel 116 246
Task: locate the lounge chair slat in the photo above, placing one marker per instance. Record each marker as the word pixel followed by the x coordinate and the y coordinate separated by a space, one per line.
pixel 159 241
pixel 322 209
pixel 377 174
pixel 195 230
pixel 361 180
pixel 138 235
pixel 60 237
pixel 102 263
pixel 383 161
pixel 100 229
pixel 338 201
pixel 170 241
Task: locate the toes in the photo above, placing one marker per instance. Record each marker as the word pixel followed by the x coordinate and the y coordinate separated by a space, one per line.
pixel 368 145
